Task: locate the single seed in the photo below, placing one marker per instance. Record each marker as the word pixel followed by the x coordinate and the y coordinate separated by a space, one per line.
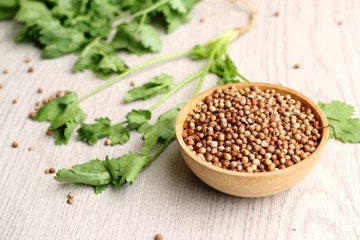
pixel 46 171
pixel 296 66
pixel 49 132
pixel 71 195
pixel 158 237
pixel 276 14
pixel 70 201
pixel 15 144
pixel 6 71
pixel 31 148
pixel 39 90
pixel 52 170
pixel 30 70
pixel 133 83
pixel 1 86
pixel 14 101
pixel 27 60
pixel 107 142
pixel 32 115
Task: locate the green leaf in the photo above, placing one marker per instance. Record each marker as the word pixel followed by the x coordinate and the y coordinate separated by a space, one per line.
pixel 137 118
pixel 8 8
pixel 92 173
pixel 156 85
pixel 178 5
pixel 138 39
pixel 99 57
pixel 337 110
pixel 119 135
pixel 126 168
pixel 173 18
pixel 162 131
pixel 92 132
pixel 100 188
pixel 344 127
pixel 64 114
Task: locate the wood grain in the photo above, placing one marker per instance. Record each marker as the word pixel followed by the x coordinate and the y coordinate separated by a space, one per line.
pixel 167 198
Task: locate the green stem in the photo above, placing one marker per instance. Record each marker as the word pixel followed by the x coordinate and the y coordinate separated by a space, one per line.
pixel 204 73
pixel 160 150
pixel 132 70
pixel 175 89
pixel 144 11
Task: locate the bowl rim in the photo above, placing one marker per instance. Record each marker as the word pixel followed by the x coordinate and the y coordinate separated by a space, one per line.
pixel 185 110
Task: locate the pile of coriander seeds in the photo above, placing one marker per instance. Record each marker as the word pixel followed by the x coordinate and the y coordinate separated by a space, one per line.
pixel 251 130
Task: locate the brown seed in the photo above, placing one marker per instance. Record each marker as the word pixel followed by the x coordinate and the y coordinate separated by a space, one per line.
pixel 32 115
pixel 339 23
pixel 70 201
pixel 49 132
pixel 6 71
pixel 15 144
pixel 133 83
pixel 1 86
pixel 39 90
pixel 52 170
pixel 14 101
pixel 30 70
pixel 107 142
pixel 27 60
pixel 296 66
pixel 158 237
pixel 31 148
pixel 276 14
pixel 46 171
pixel 71 195
pixel 202 19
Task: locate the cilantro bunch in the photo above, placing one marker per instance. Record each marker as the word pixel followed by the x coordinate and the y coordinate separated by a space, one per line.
pixel 96 29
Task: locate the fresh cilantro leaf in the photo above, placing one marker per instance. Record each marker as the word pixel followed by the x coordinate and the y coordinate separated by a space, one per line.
pixel 64 114
pixel 173 18
pixel 119 135
pixel 200 52
pixel 92 132
pixel 344 127
pixel 226 70
pixel 8 9
pixel 162 131
pixel 178 5
pixel 137 118
pixel 99 57
pixel 156 85
pixel 337 110
pixel 126 168
pixel 93 173
pixel 100 188
pixel 136 38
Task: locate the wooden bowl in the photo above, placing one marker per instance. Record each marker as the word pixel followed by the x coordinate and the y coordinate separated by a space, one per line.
pixel 243 184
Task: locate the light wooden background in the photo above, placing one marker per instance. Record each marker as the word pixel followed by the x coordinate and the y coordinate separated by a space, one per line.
pixel 167 198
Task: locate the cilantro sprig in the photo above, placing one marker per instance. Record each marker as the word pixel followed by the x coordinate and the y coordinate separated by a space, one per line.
pixel 96 30
pixel 344 126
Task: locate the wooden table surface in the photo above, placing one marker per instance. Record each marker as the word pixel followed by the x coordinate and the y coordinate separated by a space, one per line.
pixel 167 197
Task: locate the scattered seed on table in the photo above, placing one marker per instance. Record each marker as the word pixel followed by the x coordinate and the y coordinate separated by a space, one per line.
pixel 31 148
pixel 70 201
pixel 158 237
pixel 276 14
pixel 46 171
pixel 339 23
pixel 30 70
pixel 202 19
pixel 39 90
pixel 133 83
pixel 58 93
pixel 52 170
pixel 251 130
pixel 6 71
pixel 71 195
pixel 27 60
pixel 296 66
pixel 15 144
pixel 32 115
pixel 1 86
pixel 14 101
pixel 107 142
pixel 49 133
